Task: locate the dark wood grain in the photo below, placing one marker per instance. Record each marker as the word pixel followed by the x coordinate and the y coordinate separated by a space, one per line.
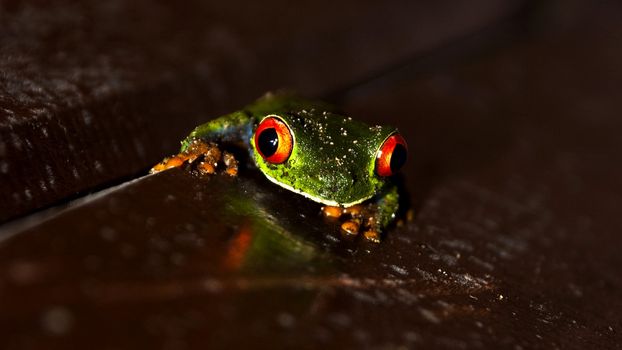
pixel 513 179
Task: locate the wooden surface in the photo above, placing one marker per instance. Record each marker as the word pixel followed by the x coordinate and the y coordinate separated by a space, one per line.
pixel 94 92
pixel 514 184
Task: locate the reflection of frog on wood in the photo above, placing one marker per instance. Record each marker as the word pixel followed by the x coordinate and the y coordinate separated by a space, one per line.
pixel 304 147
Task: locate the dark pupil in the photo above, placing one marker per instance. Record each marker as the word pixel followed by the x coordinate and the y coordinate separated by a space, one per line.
pixel 268 142
pixel 398 158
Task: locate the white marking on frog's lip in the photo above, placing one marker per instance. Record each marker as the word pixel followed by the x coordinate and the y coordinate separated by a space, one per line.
pixel 317 199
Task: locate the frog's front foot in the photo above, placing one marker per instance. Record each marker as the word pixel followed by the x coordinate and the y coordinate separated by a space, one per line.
pixel 204 157
pixel 356 219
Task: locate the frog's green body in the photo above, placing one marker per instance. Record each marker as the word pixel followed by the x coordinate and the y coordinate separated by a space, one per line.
pixel 333 157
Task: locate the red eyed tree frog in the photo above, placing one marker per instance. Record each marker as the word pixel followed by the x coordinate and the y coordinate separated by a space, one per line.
pixel 304 147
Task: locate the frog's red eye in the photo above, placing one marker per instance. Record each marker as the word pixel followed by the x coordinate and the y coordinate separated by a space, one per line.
pixel 273 140
pixel 391 155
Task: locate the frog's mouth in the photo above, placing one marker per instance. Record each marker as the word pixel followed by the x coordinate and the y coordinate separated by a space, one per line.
pixel 316 198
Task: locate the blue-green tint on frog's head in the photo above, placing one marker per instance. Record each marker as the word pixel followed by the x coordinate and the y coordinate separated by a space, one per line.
pixel 324 156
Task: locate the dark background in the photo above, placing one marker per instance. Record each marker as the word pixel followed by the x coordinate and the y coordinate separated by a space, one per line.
pixel 511 110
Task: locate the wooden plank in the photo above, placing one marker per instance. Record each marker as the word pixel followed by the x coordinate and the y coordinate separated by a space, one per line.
pixel 514 180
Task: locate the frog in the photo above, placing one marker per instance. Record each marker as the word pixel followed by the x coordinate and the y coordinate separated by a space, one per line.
pixel 309 148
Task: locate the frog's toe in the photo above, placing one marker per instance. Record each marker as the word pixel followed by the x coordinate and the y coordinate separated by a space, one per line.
pixel 231 163
pixel 355 211
pixel 206 168
pixel 372 236
pixel 159 167
pixel 372 230
pixel 333 212
pixel 351 227
pixel 168 163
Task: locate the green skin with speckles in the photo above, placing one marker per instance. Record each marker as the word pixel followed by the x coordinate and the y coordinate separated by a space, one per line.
pixel 333 158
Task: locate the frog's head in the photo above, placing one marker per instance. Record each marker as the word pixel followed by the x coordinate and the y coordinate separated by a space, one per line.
pixel 326 157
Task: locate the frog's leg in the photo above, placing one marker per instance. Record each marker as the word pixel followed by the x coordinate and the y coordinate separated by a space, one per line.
pixel 381 214
pixel 203 145
pixel 372 218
